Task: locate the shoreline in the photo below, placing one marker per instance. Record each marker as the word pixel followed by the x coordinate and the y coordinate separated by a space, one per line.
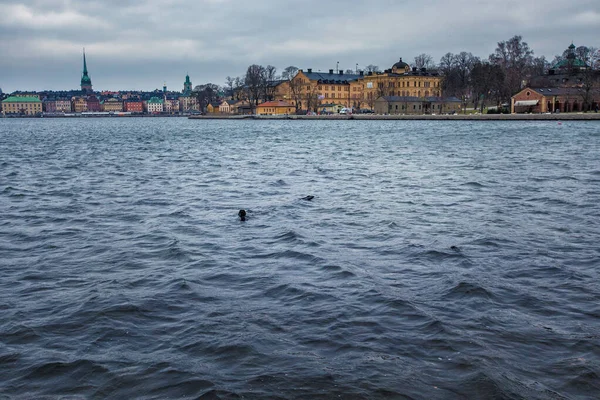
pixel 457 117
pixel 592 116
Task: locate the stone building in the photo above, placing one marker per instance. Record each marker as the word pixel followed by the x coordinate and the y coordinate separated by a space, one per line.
pixel 154 105
pixel 22 105
pixel 416 105
pixel 555 99
pixel 277 107
pixel 309 89
pixel 112 105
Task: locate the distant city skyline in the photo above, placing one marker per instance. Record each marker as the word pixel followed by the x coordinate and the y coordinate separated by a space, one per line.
pixel 139 45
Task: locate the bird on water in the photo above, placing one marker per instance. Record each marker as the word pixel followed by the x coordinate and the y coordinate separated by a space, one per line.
pixel 242 215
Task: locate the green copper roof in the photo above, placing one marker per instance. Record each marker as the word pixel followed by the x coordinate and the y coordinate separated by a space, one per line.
pixel 85 79
pixel 577 63
pixel 154 100
pixel 15 99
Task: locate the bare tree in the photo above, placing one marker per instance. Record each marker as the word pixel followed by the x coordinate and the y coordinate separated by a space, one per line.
pixel 269 81
pixel 486 80
pixel 289 73
pixel 295 86
pixel 230 84
pixel 539 66
pixel 254 83
pixel 515 58
pixel 350 72
pixel 424 61
pixel 312 99
pixel 206 94
pixel 239 88
pixel 372 68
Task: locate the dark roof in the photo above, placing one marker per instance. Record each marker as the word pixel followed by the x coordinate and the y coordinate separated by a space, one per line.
pixel 331 78
pixel 432 99
pixel 400 64
pixel 557 91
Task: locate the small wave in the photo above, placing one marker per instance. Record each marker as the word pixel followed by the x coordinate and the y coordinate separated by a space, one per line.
pixel 279 182
pixel 57 369
pixel 474 184
pixel 468 290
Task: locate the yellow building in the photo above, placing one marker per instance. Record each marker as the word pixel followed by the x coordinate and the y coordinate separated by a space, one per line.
pixel 276 107
pixel 401 80
pixel 79 104
pixel 308 89
pixel 112 105
pixel 26 105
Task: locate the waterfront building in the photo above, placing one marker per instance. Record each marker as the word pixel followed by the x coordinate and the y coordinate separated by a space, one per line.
pixel 79 104
pixel 408 105
pixel 188 103
pixel 403 81
pixel 187 85
pixel 171 105
pixel 330 108
pixel 154 105
pixel 86 81
pixel 309 89
pixel 112 105
pixel 56 105
pixel 227 106
pixel 277 107
pixel 241 107
pixel 213 108
pixel 93 104
pixel 22 105
pixel 133 105
pixel 555 99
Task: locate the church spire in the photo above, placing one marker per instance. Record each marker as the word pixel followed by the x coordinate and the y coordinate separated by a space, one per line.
pixel 86 82
pixel 85 71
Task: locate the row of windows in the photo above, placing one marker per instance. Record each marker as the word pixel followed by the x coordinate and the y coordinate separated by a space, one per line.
pixel 433 106
pixel 408 84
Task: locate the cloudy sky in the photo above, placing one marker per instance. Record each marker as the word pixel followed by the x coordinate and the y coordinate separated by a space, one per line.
pixel 139 44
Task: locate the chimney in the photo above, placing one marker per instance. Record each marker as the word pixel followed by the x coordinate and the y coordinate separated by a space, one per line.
pixel 414 69
pixel 423 69
pixel 341 72
pixel 331 71
pixel 310 70
pixel 361 73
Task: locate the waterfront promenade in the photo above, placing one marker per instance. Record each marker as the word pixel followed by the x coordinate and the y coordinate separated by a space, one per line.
pixel 456 117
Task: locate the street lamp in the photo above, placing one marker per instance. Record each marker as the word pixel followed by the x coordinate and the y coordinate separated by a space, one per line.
pixel 337 67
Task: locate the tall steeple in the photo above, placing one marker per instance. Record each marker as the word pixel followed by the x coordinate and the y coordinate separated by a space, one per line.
pixel 86 82
pixel 187 85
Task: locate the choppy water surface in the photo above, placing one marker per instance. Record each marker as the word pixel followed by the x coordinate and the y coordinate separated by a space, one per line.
pixel 437 259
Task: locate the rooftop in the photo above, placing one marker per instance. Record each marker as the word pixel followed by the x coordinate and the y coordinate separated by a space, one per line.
pixel 24 99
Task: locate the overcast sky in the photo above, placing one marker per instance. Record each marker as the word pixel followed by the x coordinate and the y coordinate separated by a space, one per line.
pixel 139 44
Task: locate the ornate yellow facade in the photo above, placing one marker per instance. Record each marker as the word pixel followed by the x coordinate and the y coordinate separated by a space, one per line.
pixel 310 89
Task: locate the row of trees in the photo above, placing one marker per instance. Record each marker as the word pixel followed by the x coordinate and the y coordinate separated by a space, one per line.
pixel 466 76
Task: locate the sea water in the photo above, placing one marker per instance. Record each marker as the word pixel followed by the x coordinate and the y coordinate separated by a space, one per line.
pixel 437 259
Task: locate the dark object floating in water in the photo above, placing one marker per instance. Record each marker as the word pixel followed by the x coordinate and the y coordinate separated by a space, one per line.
pixel 454 248
pixel 308 198
pixel 242 215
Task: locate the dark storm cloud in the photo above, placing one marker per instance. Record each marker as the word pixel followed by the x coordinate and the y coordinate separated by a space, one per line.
pixel 140 44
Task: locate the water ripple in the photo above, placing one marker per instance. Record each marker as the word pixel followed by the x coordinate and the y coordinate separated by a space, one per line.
pixel 435 260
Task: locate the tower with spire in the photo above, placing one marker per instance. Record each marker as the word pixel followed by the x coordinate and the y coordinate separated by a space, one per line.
pixel 187 85
pixel 86 82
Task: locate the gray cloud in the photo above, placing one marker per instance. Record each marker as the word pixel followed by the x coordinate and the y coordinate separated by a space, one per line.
pixel 139 44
